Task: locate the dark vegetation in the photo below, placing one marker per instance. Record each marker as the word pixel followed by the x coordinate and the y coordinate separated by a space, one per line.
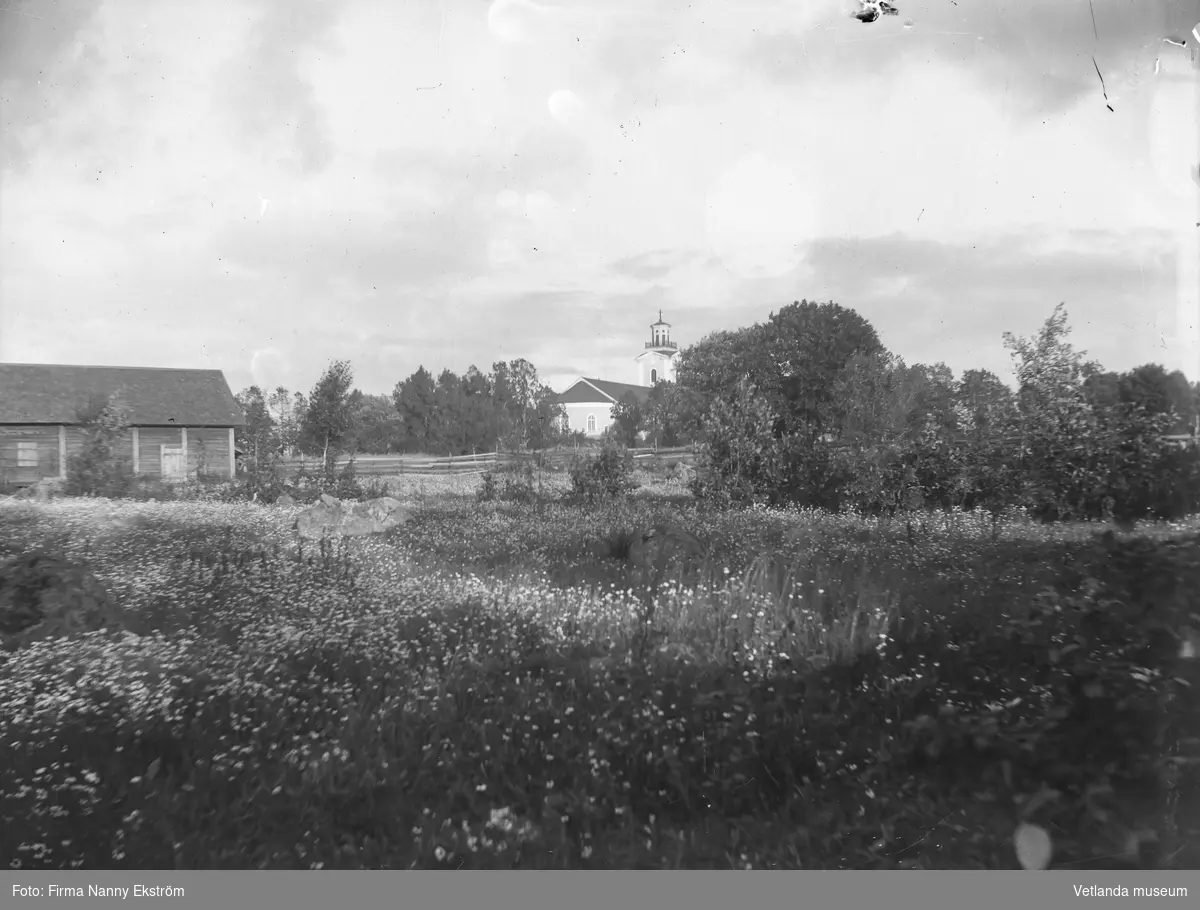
pixel 877 659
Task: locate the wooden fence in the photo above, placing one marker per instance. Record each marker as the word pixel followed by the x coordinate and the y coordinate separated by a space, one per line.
pixel 462 465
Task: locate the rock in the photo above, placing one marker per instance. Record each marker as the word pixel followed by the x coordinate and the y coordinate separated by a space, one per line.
pixel 684 472
pixel 332 518
pixel 655 545
pixel 284 500
pixel 42 596
pixel 131 522
pixel 42 491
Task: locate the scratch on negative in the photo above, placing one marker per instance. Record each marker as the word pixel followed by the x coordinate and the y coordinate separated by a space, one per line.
pixel 1102 89
pixel 927 833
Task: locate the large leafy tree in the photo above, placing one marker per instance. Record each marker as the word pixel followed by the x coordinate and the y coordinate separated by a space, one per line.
pixel 809 345
pixel 793 361
pixel 1156 391
pixel 714 366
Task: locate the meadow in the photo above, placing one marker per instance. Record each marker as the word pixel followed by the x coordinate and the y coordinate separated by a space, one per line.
pixel 500 685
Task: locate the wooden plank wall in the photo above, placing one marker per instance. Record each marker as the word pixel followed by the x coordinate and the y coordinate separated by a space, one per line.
pixel 46 438
pixel 208 451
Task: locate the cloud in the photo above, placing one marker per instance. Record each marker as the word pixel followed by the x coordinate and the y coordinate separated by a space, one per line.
pixel 761 216
pixel 651 266
pixel 1039 55
pixel 566 107
pixel 459 182
pixel 270 101
pixel 940 301
pixel 270 368
pixel 43 64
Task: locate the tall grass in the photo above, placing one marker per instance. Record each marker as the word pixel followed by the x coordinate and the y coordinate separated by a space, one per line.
pixel 501 685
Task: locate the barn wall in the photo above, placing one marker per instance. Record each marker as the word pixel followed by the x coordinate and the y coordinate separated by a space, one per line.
pixel 46 440
pixel 149 453
pixel 77 438
pixel 208 450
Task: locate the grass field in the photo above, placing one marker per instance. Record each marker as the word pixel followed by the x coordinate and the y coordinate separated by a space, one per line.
pixel 496 685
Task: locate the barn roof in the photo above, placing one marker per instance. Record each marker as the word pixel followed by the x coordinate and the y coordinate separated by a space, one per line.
pixel 56 393
pixel 601 391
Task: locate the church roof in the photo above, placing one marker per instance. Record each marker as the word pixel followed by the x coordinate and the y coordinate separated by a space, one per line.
pixel 601 391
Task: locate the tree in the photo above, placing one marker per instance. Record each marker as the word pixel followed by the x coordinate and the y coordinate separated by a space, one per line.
pixel 100 467
pixel 476 411
pixel 663 420
pixel 258 437
pixel 1058 426
pixel 627 420
pixel 1159 392
pixel 286 410
pixel 715 365
pixel 987 400
pixel 809 344
pixel 376 425
pixel 739 454
pixel 449 431
pixel 415 399
pixel 547 426
pixel 329 418
pixel 523 381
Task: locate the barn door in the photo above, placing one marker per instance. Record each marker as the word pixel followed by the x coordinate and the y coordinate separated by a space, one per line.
pixel 173 465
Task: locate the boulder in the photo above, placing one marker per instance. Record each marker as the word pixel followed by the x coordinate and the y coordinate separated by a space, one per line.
pixel 332 518
pixel 45 489
pixel 43 596
pixel 284 500
pixel 684 472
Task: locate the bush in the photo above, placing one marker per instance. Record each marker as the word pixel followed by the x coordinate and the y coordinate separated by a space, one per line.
pixel 97 470
pixel 606 476
pixel 509 483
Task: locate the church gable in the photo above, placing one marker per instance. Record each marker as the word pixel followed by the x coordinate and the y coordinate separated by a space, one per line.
pixel 589 402
pixel 584 392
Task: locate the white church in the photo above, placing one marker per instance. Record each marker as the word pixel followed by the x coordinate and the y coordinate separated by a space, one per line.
pixel 589 402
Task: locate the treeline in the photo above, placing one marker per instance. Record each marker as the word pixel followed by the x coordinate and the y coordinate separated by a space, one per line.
pixel 508 407
pixel 810 408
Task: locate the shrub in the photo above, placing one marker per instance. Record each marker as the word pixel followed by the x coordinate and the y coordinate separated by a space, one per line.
pixel 603 477
pixel 97 469
pixel 511 483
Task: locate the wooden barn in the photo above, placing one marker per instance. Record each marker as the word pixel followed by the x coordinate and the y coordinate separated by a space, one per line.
pixel 181 422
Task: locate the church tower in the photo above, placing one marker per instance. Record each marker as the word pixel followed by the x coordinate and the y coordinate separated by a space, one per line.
pixel 657 362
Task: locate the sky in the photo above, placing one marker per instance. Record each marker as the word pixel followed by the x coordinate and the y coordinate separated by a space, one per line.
pixel 263 186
